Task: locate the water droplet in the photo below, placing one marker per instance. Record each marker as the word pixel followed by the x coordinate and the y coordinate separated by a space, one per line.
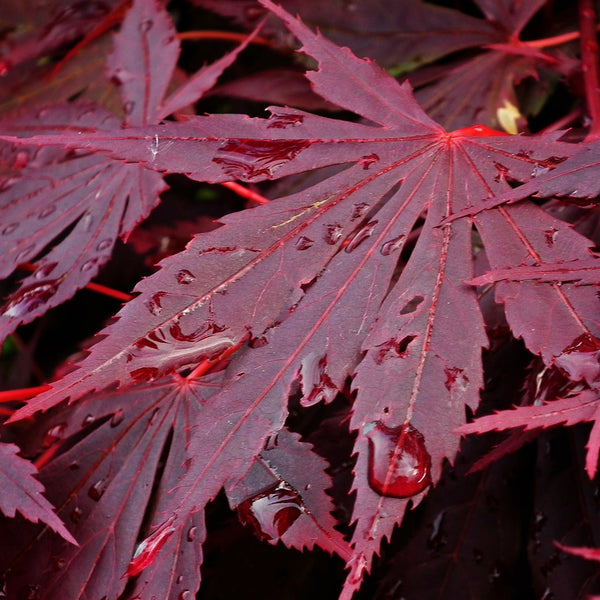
pixel 455 376
pixel 146 25
pixel 333 233
pixel 26 253
pixel 191 534
pixel 185 277
pixel 88 265
pixel 303 243
pixel 284 121
pixel 399 464
pixel 96 491
pixel 104 245
pixel 58 563
pixel 185 595
pixel 179 579
pixel 315 382
pixel 117 418
pixel 87 221
pixel 271 513
pixel 360 236
pixel 88 420
pixel 128 107
pixel 143 374
pixel 44 270
pixel 54 434
pixel 502 172
pixel 367 161
pixel 76 514
pixel 358 210
pixel 477 556
pixel 251 159
pixel 10 228
pixel 20 161
pixel 147 550
pixel 550 236
pixel 46 211
pixel 392 245
pixel 29 297
pixel 154 305
pixel 580 360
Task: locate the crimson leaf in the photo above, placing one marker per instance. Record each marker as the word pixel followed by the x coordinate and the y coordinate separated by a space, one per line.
pixel 22 492
pixel 320 284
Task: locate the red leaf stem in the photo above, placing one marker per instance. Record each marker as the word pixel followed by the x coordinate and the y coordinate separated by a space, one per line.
pixel 589 64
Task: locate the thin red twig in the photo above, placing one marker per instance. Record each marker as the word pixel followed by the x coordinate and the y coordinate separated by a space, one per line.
pixel 206 365
pixel 228 36
pixel 589 64
pixel 22 393
pixel 240 190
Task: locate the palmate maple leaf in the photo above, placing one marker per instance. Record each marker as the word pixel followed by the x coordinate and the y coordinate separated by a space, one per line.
pixel 323 284
pixel 120 457
pixel 96 197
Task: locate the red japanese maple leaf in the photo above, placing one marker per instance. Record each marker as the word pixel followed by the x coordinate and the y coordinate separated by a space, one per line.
pixel 326 283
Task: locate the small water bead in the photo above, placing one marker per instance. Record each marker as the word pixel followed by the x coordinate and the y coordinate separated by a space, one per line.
pixel 54 434
pixel 358 210
pixel 117 418
pixel 185 277
pixel 333 233
pixel 191 534
pixel 47 211
pixel 104 245
pixel 10 228
pixel 303 243
pixel 76 514
pixel 399 464
pixel 272 512
pixel 96 491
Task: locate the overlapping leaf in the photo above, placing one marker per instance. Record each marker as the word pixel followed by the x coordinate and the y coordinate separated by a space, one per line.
pixel 319 281
pixel 94 199
pixel 23 493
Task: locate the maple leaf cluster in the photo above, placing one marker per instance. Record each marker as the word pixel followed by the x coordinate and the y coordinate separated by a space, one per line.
pixel 416 251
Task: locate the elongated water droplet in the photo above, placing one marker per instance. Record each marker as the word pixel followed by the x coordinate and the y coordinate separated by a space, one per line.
pixel 303 243
pixel 191 534
pixel 44 270
pixel 185 277
pixel 47 211
pixel 96 491
pixel 10 228
pixel 271 513
pixel 315 382
pixel 249 159
pixel 104 245
pixel 185 595
pixel 399 464
pixel 392 245
pixel 285 121
pixel 147 550
pixel 30 297
pixel 360 236
pixel 88 265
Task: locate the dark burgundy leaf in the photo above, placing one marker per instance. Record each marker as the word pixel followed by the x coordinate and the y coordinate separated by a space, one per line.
pixel 23 493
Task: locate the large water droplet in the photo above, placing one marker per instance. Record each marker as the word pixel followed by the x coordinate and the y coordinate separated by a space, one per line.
pixel 250 159
pixel 185 595
pixel 303 243
pixel 96 491
pixel 271 513
pixel 147 550
pixel 399 464
pixel 185 277
pixel 315 382
pixel 360 236
pixel 30 297
pixel 580 360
